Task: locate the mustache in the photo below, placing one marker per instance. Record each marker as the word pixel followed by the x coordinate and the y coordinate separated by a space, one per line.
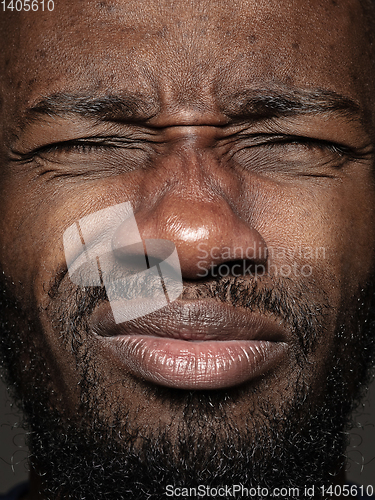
pixel 298 304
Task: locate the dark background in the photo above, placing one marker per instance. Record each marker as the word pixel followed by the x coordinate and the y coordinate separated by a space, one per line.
pixel 13 453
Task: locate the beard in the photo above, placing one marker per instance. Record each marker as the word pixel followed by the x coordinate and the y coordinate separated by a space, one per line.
pixel 298 443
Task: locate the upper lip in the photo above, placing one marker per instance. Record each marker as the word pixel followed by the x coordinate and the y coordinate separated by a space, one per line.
pixel 193 320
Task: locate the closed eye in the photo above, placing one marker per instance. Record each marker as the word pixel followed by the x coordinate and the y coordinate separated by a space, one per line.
pixel 271 140
pixel 290 155
pixel 82 145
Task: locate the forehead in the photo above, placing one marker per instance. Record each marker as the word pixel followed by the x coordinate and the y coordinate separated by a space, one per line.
pixel 186 53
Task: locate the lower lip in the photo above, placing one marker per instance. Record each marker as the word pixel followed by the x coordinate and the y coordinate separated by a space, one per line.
pixel 185 364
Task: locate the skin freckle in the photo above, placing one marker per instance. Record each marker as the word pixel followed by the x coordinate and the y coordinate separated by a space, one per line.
pixel 252 38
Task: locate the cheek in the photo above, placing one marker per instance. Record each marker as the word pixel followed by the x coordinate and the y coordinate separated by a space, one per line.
pixel 320 231
pixel 347 222
pixel 35 216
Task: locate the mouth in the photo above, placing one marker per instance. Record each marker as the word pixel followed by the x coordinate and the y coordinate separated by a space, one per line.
pixel 198 344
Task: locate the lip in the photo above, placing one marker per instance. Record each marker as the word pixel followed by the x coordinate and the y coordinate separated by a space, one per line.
pixel 198 344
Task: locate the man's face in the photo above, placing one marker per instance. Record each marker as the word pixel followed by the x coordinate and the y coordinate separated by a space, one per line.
pixel 227 126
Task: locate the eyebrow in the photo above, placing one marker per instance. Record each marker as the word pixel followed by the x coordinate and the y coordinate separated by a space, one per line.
pixel 256 104
pixel 122 107
pixel 265 103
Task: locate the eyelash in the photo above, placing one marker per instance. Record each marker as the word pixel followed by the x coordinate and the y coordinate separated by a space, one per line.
pixel 309 142
pixel 86 146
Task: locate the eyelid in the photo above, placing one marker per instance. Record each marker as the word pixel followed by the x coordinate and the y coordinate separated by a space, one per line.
pixel 97 142
pixel 332 146
pixel 79 144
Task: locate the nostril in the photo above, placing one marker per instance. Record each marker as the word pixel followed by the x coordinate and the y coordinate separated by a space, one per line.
pixel 144 255
pixel 131 258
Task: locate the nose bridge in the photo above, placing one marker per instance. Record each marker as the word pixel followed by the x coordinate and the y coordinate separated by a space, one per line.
pixel 191 157
pixel 193 171
pixel 196 204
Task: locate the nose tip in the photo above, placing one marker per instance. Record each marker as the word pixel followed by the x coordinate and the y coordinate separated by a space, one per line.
pixel 220 241
pixel 206 236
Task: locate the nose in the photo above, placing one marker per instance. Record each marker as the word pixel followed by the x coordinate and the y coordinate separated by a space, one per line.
pixel 207 234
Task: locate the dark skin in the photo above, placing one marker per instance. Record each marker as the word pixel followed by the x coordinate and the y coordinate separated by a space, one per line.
pixel 187 158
